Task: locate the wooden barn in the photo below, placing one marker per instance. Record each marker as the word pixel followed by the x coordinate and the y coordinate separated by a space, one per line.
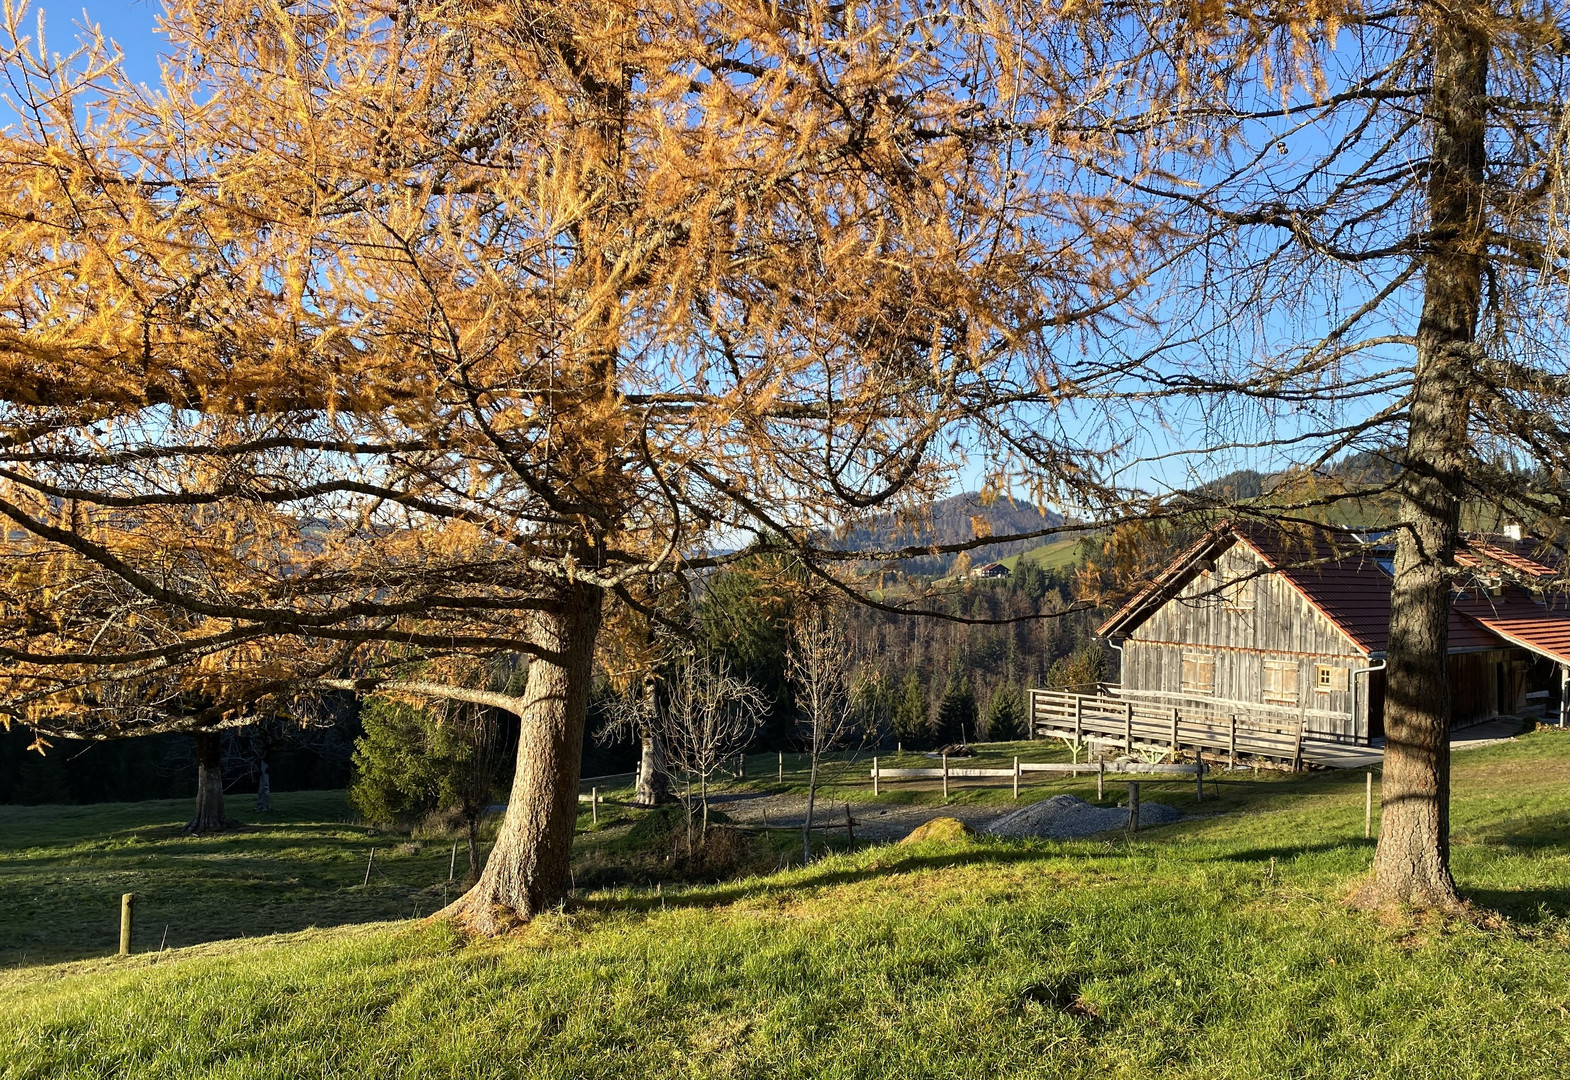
pixel 1294 632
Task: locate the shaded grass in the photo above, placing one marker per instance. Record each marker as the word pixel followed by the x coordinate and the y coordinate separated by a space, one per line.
pixel 1186 953
pixel 63 868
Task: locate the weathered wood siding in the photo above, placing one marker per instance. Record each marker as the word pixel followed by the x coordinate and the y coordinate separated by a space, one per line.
pixel 1274 624
pixel 1484 684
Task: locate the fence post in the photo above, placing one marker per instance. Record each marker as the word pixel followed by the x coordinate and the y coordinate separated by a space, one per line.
pixel 850 827
pixel 1101 772
pixel 1133 806
pixel 782 766
pixel 1079 706
pixel 126 902
pixel 741 765
pixel 1368 806
pixel 1297 751
pixel 945 776
pixel 1199 776
pixel 452 865
pixel 1128 726
pixel 368 864
pixel 1174 734
pixel 594 805
pixel 1016 776
pixel 874 776
pixel 1030 714
pixel 1232 744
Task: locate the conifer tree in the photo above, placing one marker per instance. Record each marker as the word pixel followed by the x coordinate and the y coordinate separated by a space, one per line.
pixel 957 712
pixel 1006 713
pixel 912 725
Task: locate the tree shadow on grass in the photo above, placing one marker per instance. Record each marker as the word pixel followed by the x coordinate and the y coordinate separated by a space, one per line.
pixel 884 865
pixel 1285 852
pixel 1526 907
pixel 1533 833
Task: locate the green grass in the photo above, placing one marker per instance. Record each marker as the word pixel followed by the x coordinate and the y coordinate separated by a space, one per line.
pixel 63 868
pixel 1219 947
pixel 1054 556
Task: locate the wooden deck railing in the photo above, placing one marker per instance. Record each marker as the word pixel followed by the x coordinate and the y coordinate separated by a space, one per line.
pixel 1139 722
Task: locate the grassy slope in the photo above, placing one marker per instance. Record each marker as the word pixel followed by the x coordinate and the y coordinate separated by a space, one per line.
pixel 1053 556
pixel 1219 947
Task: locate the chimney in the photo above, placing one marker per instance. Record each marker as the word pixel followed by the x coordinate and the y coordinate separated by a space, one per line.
pixel 1513 530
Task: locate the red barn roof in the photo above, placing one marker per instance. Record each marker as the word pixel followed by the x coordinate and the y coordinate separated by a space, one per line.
pixel 1338 573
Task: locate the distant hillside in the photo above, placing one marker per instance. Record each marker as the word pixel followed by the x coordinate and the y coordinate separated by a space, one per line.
pixel 948 521
pixel 1056 555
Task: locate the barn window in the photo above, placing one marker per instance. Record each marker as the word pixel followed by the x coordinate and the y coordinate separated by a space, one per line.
pixel 1199 673
pixel 1328 677
pixel 1280 683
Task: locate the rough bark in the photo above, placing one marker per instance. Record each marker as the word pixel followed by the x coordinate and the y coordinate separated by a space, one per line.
pixel 1412 862
pixel 209 785
pixel 653 784
pixel 528 869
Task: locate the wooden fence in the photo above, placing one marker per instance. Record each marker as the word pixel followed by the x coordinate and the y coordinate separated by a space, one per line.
pixel 1101 769
pixel 1138 724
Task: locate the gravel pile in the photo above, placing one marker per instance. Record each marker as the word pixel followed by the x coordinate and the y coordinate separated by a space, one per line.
pixel 1065 816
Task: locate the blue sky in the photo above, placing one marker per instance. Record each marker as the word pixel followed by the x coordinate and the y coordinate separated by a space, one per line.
pixel 129 22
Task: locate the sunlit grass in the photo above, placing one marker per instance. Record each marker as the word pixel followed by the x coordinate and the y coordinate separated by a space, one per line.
pixel 1217 947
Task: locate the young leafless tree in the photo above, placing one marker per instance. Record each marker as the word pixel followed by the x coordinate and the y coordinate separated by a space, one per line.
pixel 818 663
pixel 703 716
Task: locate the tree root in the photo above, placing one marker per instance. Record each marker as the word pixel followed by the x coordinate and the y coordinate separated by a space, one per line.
pixel 477 916
pixel 206 826
pixel 1422 905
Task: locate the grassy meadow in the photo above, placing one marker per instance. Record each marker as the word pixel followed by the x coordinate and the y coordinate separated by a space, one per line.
pixel 1218 947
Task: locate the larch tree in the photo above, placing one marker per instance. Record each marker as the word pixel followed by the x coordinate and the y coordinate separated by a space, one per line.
pixel 1384 271
pixel 380 338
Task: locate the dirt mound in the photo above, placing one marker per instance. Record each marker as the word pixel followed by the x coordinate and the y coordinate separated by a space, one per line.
pixel 943 828
pixel 1065 816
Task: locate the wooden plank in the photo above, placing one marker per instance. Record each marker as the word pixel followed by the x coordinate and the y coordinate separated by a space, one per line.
pixel 1054 767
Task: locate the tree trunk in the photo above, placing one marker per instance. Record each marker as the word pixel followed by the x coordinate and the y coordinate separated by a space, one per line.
pixel 812 797
pixel 264 790
pixel 703 794
pixel 653 784
pixel 209 785
pixel 473 836
pixel 1412 862
pixel 528 869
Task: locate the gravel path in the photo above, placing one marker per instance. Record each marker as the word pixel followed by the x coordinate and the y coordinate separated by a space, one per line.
pixel 881 821
pixel 1067 816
